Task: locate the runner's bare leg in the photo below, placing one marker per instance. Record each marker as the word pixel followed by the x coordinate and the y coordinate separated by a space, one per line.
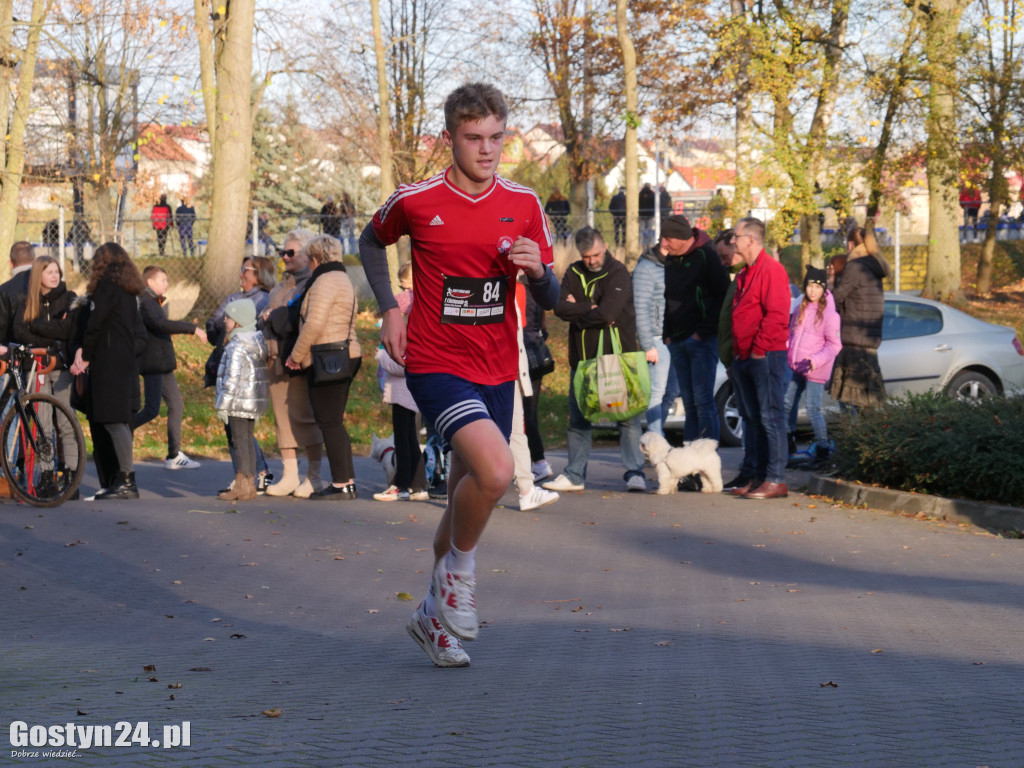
pixel 482 468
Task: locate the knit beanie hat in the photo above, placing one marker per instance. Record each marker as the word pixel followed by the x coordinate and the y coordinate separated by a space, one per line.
pixel 676 226
pixel 243 312
pixel 814 275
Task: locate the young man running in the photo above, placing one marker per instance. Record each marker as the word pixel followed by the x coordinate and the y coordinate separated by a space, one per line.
pixel 471 232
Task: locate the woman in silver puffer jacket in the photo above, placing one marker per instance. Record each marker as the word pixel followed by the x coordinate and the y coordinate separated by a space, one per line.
pixel 243 391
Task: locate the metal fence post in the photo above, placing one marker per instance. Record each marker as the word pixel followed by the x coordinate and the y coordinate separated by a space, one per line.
pixel 897 252
pixel 60 237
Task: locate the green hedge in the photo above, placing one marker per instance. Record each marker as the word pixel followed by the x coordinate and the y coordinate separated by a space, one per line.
pixel 932 444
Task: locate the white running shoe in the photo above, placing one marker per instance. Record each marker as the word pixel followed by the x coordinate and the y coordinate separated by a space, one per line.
pixel 444 650
pixel 541 470
pixel 636 484
pixel 537 497
pixel 456 602
pixel 181 461
pixel 563 484
pixel 421 495
pixel 391 494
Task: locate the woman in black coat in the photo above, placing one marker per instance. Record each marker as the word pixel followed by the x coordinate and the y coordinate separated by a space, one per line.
pixel 112 338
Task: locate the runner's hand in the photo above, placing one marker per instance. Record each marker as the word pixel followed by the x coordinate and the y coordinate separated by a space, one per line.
pixel 392 335
pixel 525 254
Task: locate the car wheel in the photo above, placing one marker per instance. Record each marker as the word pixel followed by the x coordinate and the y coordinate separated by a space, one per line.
pixel 729 417
pixel 971 385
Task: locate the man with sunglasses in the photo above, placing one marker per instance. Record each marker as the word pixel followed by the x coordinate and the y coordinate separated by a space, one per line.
pixel 472 232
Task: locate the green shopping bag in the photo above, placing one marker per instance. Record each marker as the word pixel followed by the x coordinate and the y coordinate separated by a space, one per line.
pixel 612 387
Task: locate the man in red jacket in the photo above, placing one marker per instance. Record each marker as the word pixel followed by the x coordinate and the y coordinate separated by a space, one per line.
pixel 760 330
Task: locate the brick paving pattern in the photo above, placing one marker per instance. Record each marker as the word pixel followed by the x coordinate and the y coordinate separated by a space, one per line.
pixel 619 630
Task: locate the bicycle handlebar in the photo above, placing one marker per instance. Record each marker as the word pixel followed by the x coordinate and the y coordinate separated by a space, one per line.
pixel 47 358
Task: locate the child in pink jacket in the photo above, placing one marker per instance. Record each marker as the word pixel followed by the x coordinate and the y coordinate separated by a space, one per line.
pixel 813 346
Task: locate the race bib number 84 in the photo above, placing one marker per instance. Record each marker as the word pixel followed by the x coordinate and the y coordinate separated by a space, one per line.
pixel 474 300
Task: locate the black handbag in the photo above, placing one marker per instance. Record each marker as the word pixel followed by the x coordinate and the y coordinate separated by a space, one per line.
pixel 332 364
pixel 539 360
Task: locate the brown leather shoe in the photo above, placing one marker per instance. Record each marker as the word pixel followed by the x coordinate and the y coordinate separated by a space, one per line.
pixel 750 485
pixel 768 490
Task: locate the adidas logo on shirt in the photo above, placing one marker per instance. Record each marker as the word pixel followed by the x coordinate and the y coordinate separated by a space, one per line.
pixel 436 221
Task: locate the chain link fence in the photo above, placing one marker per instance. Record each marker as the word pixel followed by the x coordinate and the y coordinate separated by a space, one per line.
pixel 180 248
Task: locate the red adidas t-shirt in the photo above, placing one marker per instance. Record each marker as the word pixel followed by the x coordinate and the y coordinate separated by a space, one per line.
pixel 463 320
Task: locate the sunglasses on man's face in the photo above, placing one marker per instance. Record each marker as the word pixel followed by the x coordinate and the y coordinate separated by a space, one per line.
pixel 289 254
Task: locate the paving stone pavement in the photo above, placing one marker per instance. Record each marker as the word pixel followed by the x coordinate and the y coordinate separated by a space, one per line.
pixel 619 630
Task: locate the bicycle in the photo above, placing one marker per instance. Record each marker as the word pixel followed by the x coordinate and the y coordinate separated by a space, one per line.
pixel 37 433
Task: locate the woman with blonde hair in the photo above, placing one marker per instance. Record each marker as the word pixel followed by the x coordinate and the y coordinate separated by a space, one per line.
pixel 327 327
pixel 44 318
pixel 293 414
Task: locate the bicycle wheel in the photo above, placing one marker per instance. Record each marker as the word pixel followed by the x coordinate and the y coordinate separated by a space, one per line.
pixel 43 454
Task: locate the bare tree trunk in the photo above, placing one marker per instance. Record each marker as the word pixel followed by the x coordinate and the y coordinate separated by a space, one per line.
pixel 387 179
pixel 744 123
pixel 632 121
pixel 941 22
pixel 207 69
pixel 822 120
pixel 894 101
pixel 997 194
pixel 232 145
pixel 14 155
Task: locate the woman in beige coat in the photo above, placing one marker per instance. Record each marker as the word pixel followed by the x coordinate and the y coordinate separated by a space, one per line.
pixel 293 416
pixel 327 315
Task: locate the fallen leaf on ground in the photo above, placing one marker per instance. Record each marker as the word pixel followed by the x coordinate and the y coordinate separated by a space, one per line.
pixel 275 712
pixel 663 642
pixel 403 596
pixel 829 684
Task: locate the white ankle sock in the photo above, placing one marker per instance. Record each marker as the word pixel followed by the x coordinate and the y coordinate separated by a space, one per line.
pixel 462 563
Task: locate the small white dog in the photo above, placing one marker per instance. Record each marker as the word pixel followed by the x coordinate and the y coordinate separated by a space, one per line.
pixel 699 457
pixel 382 449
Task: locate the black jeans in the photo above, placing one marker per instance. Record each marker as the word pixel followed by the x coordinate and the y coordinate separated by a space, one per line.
pixel 329 403
pixel 533 437
pixel 409 466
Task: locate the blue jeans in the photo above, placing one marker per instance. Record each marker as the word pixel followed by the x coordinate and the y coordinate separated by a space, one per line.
pixel 813 389
pixel 579 441
pixel 664 389
pixel 696 363
pixel 761 386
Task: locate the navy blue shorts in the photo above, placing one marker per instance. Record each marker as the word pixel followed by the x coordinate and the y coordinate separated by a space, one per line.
pixel 450 402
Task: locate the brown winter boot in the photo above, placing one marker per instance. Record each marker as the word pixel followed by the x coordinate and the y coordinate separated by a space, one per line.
pixel 244 488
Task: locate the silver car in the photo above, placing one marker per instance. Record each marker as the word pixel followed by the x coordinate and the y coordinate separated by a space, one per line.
pixel 926 345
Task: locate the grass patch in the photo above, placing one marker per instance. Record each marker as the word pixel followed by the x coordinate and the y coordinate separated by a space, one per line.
pixel 365 414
